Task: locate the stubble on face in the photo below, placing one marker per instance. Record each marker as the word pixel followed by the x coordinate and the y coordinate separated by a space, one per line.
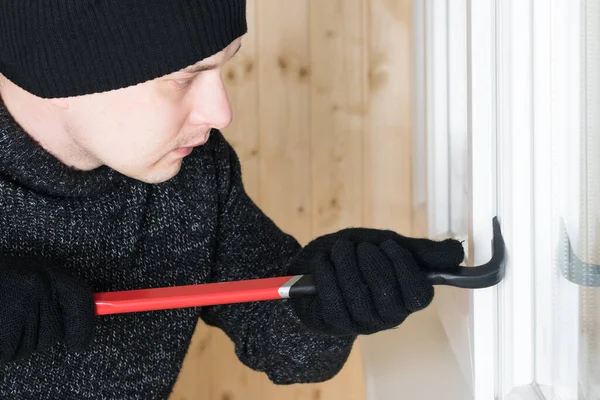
pixel 162 174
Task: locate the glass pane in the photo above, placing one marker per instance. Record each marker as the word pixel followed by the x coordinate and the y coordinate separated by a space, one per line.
pixel 590 247
pixel 540 66
pixel 547 126
pixel 567 221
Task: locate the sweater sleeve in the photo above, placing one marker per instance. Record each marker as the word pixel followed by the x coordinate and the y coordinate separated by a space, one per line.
pixel 268 337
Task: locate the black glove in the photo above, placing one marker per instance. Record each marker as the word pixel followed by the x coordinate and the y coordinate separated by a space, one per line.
pixel 41 305
pixel 368 280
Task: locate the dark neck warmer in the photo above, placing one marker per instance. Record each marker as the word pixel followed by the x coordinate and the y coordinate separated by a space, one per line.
pixel 25 162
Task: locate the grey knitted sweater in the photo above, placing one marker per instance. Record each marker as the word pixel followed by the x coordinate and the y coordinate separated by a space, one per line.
pixel 120 234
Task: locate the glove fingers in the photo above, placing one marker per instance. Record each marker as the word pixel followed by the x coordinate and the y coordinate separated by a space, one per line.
pixel 357 295
pixel 39 286
pixel 431 254
pixel 417 291
pixel 335 312
pixel 10 336
pixel 378 271
pixel 30 334
pixel 22 300
pixel 77 309
pixel 445 254
pixel 51 329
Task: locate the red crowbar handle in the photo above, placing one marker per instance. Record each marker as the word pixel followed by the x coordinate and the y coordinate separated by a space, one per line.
pixel 284 287
pixel 205 294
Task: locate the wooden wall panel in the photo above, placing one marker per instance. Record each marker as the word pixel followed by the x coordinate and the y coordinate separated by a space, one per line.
pixel 322 124
pixel 388 145
pixel 338 109
pixel 284 96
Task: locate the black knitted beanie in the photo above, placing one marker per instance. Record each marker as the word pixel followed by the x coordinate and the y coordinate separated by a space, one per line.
pixel 63 48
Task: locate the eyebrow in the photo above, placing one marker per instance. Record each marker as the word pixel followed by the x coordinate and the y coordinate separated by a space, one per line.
pixel 199 68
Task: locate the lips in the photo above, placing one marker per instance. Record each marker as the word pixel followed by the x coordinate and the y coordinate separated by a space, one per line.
pixel 199 143
pixel 194 144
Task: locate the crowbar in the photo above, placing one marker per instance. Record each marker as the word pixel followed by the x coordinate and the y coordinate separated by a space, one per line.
pixel 284 287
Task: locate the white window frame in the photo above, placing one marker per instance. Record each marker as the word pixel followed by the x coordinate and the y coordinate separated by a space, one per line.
pixel 482 119
pixel 515 53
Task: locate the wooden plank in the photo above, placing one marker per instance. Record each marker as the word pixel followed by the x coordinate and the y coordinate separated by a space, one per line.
pixel 388 139
pixel 338 111
pixel 284 92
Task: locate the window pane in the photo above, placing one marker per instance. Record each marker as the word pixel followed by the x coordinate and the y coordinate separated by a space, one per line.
pixel 567 251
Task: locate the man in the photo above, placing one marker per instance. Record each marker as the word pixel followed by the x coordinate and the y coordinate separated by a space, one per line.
pixel 114 175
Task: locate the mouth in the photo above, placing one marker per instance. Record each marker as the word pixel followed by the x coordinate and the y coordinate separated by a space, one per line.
pixel 199 142
pixel 188 148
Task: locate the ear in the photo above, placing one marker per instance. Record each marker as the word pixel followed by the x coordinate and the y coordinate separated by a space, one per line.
pixel 60 102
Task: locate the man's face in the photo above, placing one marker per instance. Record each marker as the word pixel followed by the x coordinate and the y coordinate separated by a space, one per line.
pixel 145 131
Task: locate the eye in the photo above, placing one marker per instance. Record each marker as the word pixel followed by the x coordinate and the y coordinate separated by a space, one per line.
pixel 181 83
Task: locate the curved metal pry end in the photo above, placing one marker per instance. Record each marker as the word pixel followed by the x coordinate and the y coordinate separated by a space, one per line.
pixel 483 276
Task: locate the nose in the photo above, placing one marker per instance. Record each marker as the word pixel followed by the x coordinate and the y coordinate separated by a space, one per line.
pixel 210 103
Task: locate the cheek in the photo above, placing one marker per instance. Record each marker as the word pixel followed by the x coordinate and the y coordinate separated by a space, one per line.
pixel 151 130
pixel 130 129
pixel 142 133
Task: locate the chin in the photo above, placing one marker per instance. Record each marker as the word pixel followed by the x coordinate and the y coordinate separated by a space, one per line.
pixel 161 175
